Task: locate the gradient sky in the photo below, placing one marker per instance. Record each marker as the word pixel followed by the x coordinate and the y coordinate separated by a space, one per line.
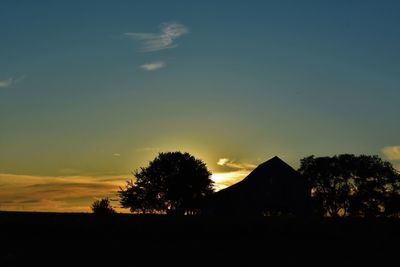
pixel 91 90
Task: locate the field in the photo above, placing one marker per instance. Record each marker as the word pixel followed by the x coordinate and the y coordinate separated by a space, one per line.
pixel 78 238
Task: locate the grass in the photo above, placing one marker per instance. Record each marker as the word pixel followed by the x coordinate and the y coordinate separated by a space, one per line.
pixel 51 236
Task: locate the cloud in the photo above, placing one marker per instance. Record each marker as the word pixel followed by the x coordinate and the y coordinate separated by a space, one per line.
pixel 46 193
pixel 117 155
pixel 165 39
pixel 235 165
pixel 391 152
pixel 153 66
pixel 237 171
pixel 223 161
pixel 6 83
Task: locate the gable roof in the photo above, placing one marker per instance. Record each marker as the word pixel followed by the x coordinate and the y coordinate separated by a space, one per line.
pixel 272 169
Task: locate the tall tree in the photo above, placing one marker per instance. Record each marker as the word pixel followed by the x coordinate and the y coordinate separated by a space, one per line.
pixel 174 182
pixel 349 185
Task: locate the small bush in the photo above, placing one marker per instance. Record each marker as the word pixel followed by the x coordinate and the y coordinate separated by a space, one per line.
pixel 102 207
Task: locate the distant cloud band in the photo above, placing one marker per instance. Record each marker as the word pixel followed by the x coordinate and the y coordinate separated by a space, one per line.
pixel 165 39
pixel 64 193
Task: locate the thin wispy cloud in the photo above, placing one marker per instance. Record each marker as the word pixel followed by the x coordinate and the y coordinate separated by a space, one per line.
pixel 6 83
pixel 117 155
pixel 153 66
pixel 391 152
pixel 235 165
pixel 223 161
pixel 165 39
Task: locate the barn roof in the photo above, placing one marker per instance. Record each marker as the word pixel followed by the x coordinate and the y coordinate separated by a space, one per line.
pixel 274 168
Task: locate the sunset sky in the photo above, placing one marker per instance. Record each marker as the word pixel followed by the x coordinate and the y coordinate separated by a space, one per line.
pixel 92 90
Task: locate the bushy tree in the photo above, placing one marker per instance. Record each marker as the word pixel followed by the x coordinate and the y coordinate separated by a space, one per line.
pixel 174 182
pixel 349 185
pixel 140 199
pixel 102 207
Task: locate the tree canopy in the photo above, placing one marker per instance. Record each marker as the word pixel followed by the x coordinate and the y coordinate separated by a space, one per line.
pixel 349 185
pixel 173 182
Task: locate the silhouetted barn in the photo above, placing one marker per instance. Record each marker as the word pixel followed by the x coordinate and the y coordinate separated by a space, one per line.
pixel 273 188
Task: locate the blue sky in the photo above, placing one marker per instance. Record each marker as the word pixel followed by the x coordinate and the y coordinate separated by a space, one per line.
pixel 82 95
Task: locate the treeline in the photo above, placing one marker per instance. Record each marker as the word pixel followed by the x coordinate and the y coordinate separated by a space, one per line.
pixel 349 185
pixel 340 186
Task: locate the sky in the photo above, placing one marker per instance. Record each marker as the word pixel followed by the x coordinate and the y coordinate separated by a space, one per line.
pixel 92 90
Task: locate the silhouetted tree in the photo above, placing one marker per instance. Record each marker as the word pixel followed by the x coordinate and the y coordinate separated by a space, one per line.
pixel 375 182
pixel 102 207
pixel 330 184
pixel 174 182
pixel 349 185
pixel 392 205
pixel 140 199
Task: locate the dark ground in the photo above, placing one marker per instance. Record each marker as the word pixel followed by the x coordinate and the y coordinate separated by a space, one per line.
pixel 61 239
